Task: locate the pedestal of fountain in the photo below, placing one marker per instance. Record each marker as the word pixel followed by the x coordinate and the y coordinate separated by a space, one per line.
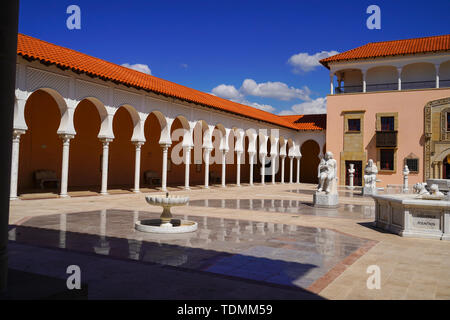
pixel 165 224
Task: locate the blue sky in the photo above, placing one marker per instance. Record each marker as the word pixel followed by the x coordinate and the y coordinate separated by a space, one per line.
pixel 239 50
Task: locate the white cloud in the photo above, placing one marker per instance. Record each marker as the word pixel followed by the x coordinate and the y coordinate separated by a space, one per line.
pixel 304 62
pixel 275 90
pixel 231 93
pixel 227 92
pixel 184 65
pixel 315 106
pixel 138 67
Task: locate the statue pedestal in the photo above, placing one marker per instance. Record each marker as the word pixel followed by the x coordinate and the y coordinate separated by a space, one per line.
pixel 323 200
pixel 369 191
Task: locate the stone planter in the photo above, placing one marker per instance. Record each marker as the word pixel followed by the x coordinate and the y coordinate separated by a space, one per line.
pixel 408 216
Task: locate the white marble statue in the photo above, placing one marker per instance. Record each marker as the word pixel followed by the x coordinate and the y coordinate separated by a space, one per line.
pixel 327 173
pixel 370 175
pixel 420 188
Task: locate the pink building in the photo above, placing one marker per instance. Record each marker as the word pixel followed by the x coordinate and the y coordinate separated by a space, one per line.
pixel 390 102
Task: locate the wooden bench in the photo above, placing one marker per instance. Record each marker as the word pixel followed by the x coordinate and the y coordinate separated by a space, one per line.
pixel 215 177
pixel 41 177
pixel 152 178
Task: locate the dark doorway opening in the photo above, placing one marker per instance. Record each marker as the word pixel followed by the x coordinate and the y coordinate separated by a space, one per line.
pixel 357 178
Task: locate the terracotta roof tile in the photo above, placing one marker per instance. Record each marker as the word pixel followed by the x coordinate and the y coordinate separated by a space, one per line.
pixel 308 121
pixel 48 53
pixel 393 48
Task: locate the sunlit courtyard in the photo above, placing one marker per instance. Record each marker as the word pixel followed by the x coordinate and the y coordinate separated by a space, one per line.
pixel 260 242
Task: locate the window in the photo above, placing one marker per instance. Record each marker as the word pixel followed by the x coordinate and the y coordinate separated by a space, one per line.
pixel 387 123
pixel 387 159
pixel 448 121
pixel 413 164
pixel 354 125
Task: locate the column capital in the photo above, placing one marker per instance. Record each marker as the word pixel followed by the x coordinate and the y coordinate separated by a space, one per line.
pixel 165 146
pixel 17 133
pixel 66 137
pixel 106 141
pixel 138 144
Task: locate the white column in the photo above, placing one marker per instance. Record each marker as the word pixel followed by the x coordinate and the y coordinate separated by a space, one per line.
pixel 273 168
pixel 137 166
pixel 399 70
pixel 251 155
pixel 263 168
pixel 437 75
pixel 15 163
pixel 187 161
pixel 105 160
pixel 298 169
pixel 207 156
pixel 164 167
pixel 364 80
pixel 291 159
pixel 331 84
pixel 224 166
pixel 238 168
pixel 282 169
pixel 405 178
pixel 65 163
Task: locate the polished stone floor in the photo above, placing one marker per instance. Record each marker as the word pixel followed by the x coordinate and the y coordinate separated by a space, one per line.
pixel 349 211
pixel 268 252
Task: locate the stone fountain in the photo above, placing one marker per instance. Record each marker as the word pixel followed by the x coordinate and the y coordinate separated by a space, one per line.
pixel 165 224
pixel 424 214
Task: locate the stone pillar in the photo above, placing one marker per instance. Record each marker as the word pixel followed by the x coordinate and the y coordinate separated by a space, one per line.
pixel 164 167
pixel 251 156
pixel 331 84
pixel 437 75
pixel 291 168
pixel 440 169
pixel 274 157
pixel 187 162
pixel 282 169
pixel 399 71
pixel 238 168
pixel 263 169
pixel 15 163
pixel 364 80
pixel 207 155
pixel 65 163
pixel 137 166
pixel 224 168
pixel 405 178
pixel 351 174
pixel 105 160
pixel 298 169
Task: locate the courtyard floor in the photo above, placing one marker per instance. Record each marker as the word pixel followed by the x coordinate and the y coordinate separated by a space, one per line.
pixel 260 242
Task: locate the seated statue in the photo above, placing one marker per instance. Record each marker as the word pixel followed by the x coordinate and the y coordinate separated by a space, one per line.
pixel 370 175
pixel 327 173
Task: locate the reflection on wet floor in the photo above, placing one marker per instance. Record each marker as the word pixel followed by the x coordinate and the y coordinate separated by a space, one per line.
pixel 350 211
pixel 268 252
pixel 357 192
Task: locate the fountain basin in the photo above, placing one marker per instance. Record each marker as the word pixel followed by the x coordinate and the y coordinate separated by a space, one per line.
pixel 165 224
pixel 156 226
pixel 408 216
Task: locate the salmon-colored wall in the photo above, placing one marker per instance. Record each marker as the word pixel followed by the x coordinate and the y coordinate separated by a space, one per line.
pixel 310 159
pixel 85 149
pixel 410 107
pixel 121 150
pixel 40 146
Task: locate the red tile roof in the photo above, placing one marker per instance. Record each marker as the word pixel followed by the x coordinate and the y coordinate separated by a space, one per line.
pixel 308 121
pixel 48 53
pixel 393 48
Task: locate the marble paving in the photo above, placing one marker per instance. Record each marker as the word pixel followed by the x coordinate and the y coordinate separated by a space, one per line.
pixel 268 252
